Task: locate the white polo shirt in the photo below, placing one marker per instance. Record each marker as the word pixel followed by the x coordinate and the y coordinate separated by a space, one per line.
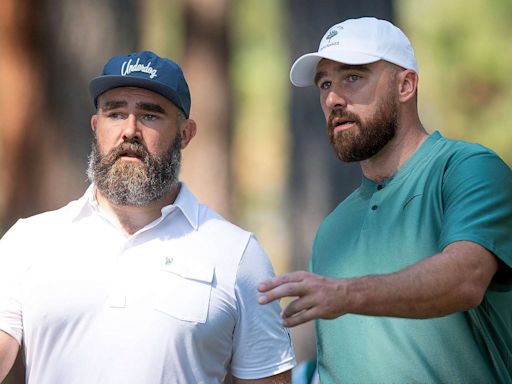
pixel 176 302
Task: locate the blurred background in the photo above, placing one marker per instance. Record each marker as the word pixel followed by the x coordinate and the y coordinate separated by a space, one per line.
pixel 261 156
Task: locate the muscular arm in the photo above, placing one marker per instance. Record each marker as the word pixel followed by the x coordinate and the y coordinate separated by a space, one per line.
pixel 450 281
pixel 281 378
pixel 8 351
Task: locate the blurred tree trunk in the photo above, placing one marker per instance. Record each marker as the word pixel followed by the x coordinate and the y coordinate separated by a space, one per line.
pixel 206 165
pixel 20 99
pixel 50 51
pixel 318 181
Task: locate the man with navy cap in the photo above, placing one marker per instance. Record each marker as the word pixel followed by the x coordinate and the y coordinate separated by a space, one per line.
pixel 411 274
pixel 136 282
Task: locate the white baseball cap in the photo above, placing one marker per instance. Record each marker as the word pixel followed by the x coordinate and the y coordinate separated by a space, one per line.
pixel 356 41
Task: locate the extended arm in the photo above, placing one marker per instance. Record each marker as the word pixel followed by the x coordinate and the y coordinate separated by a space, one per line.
pixel 281 378
pixel 450 281
pixel 8 351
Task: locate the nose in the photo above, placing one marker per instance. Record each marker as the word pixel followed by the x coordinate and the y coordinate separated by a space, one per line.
pixel 131 128
pixel 335 100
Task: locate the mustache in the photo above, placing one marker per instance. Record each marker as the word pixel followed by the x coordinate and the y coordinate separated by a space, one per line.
pixel 128 148
pixel 344 114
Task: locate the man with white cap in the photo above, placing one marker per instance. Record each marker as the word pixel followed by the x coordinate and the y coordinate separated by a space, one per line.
pixel 411 274
pixel 137 282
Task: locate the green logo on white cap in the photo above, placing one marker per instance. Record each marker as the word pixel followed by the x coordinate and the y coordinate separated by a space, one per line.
pixel 331 34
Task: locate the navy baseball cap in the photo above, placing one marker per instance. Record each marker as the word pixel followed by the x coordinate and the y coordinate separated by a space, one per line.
pixel 144 70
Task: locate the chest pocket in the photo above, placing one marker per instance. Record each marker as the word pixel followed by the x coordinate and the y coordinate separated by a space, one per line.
pixel 183 290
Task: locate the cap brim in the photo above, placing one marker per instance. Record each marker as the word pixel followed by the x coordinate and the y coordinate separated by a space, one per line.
pixel 302 73
pixel 101 84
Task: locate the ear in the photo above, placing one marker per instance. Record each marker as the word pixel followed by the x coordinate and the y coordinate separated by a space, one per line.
pixel 94 122
pixel 188 131
pixel 407 85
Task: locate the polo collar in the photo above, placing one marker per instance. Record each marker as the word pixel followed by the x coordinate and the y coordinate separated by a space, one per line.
pixel 188 205
pixel 418 157
pixel 185 202
pixel 85 205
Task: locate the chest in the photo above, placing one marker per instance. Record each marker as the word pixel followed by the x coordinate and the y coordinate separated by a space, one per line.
pixel 381 230
pixel 88 291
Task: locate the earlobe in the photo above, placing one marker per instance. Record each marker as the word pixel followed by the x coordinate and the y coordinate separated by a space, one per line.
pixel 407 85
pixel 188 132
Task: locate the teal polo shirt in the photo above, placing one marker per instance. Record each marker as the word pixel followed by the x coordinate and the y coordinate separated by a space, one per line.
pixel 447 191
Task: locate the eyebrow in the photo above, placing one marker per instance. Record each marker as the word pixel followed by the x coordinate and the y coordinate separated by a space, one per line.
pixel 113 104
pixel 148 107
pixel 151 107
pixel 342 67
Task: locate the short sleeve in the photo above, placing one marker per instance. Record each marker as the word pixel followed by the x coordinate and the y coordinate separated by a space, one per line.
pixel 11 271
pixel 262 347
pixel 477 201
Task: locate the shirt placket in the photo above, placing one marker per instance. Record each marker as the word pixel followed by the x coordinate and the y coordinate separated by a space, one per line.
pixel 119 276
pixel 374 208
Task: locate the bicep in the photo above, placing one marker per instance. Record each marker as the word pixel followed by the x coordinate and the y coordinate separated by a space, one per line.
pixel 281 378
pixel 8 350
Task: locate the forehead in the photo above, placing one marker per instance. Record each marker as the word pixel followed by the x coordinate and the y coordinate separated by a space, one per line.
pixel 128 95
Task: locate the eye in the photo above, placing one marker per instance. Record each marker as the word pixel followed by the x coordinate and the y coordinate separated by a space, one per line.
pixel 115 115
pixel 352 78
pixel 324 84
pixel 149 117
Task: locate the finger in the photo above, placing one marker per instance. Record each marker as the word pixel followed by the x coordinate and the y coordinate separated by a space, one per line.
pixel 297 306
pixel 298 319
pixel 268 284
pixel 284 290
pixel 283 279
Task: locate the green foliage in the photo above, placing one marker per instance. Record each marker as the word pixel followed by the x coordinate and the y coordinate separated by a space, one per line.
pixel 161 27
pixel 465 55
pixel 259 74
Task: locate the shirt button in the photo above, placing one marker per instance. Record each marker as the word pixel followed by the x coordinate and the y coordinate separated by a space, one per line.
pixel 379 187
pixel 375 207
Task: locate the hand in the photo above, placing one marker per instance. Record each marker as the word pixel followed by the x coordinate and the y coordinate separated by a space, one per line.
pixel 318 297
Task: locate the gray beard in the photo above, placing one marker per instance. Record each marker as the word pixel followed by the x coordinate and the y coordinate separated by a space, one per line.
pixel 134 183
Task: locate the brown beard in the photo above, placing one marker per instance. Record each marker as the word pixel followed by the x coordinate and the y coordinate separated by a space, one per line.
pixel 134 183
pixel 365 138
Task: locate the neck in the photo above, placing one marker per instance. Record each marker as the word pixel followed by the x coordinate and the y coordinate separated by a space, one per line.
pixel 133 218
pixel 390 158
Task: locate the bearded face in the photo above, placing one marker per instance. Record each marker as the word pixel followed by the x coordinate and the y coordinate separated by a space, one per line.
pixel 368 136
pixel 134 183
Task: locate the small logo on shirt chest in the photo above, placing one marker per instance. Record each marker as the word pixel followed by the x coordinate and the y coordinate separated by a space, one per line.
pixel 410 199
pixel 168 260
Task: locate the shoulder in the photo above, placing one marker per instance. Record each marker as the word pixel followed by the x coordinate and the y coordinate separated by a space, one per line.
pixel 207 223
pixel 454 162
pixel 472 161
pixel 455 152
pixel 44 221
pixel 219 229
pixel 232 243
